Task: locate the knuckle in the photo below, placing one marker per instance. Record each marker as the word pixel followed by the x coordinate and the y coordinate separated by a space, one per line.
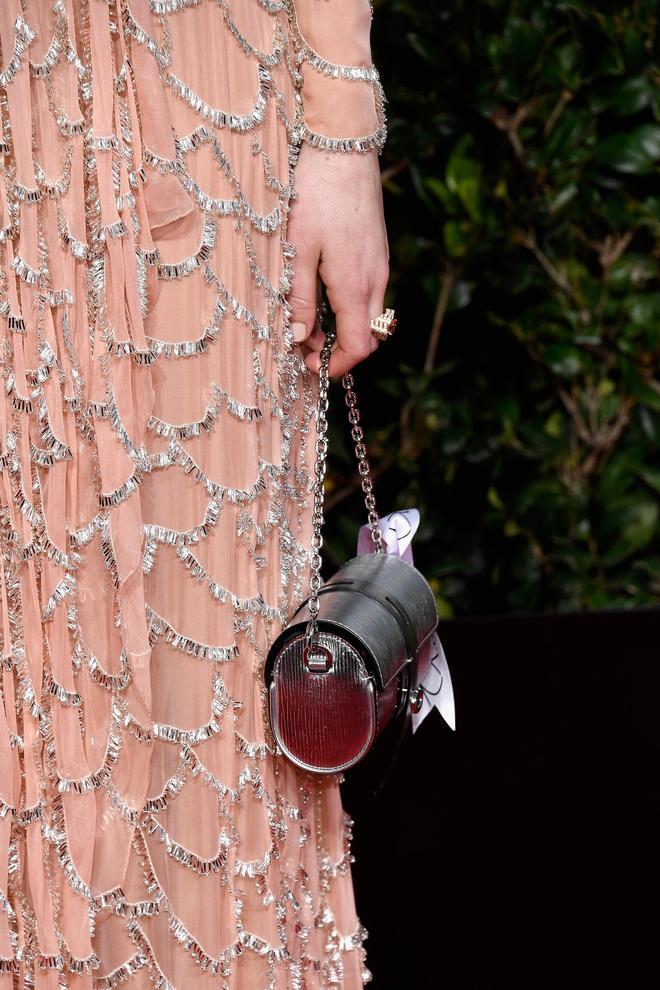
pixel 361 350
pixel 357 286
pixel 382 275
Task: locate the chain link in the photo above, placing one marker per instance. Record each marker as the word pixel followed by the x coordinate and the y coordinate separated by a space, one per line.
pixel 366 481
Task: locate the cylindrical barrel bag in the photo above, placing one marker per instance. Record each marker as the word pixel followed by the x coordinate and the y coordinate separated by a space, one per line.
pixel 329 703
pixel 345 665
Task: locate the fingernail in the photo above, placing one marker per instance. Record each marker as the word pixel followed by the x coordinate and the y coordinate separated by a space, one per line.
pixel 299 331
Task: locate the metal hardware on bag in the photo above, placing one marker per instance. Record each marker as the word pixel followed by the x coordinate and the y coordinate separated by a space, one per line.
pixel 416 700
pixel 317 658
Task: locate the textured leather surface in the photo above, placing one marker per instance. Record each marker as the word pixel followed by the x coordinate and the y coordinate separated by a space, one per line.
pixel 323 721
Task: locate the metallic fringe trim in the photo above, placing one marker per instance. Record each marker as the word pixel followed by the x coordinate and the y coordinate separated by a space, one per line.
pixel 219 703
pixel 92 781
pixel 6 907
pixel 224 118
pixel 370 142
pixel 56 48
pixel 174 734
pixel 194 261
pixel 189 348
pixel 8 233
pixel 176 454
pixel 59 188
pixel 122 973
pixel 185 856
pixel 186 431
pixel 26 273
pixel 171 790
pixel 111 682
pixel 253 603
pixel 113 230
pixel 81 537
pixel 25 194
pixel 305 53
pixel 66 698
pixel 255 867
pixel 190 142
pixel 108 899
pixel 16 324
pixel 271 6
pixel 208 778
pixel 230 207
pixel 263 58
pixel 162 165
pixel 140 940
pixel 187 941
pixel 124 491
pixel 21 403
pixel 29 815
pixel 24 38
pixel 68 127
pixel 158 626
pixel 64 589
pixel 136 729
pixel 69 561
pixel 274 954
pixel 353 73
pixel 254 750
pixel 108 142
pixel 57 837
pixel 80 966
pixel 138 34
pixel 58 297
pixel 149 556
pixel 242 313
pixel 160 7
pixel 163 534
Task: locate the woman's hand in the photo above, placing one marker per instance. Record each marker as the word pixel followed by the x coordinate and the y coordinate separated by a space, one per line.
pixel 338 229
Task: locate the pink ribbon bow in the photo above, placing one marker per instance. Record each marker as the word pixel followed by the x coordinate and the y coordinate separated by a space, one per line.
pixel 397 530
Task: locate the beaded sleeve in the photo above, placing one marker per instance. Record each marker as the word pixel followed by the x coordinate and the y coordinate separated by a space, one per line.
pixel 341 99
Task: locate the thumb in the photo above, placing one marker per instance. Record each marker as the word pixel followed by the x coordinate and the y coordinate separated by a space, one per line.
pixel 303 295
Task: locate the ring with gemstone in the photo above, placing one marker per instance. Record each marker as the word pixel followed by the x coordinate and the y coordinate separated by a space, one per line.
pixel 383 326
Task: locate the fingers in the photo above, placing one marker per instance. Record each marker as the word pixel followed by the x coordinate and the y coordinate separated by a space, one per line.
pixel 314 342
pixel 354 309
pixel 303 294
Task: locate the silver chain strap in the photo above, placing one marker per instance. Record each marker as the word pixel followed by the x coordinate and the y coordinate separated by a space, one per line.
pixel 319 476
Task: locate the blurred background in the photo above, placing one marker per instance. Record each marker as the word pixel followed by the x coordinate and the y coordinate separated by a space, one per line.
pixel 518 406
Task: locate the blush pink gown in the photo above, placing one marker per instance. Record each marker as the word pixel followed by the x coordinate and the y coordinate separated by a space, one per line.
pixel 157 426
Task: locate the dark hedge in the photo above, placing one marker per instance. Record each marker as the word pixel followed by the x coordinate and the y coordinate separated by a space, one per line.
pixel 518 404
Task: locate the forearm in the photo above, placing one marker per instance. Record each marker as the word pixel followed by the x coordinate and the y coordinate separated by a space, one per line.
pixel 342 101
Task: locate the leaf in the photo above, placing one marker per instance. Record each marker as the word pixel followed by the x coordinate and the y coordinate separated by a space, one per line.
pixel 456 238
pixel 494 499
pixel 639 526
pixel 562 198
pixel 463 176
pixel 564 360
pixel 651 475
pixel 554 425
pixel 635 152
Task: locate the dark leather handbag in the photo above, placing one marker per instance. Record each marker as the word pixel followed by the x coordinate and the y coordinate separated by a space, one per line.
pixel 346 664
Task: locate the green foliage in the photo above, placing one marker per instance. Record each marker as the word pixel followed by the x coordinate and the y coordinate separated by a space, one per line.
pixel 518 404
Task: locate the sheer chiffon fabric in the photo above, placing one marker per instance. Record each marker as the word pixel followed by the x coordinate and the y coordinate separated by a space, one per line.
pixel 157 428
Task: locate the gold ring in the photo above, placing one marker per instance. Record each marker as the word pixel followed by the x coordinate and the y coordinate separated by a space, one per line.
pixel 383 326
